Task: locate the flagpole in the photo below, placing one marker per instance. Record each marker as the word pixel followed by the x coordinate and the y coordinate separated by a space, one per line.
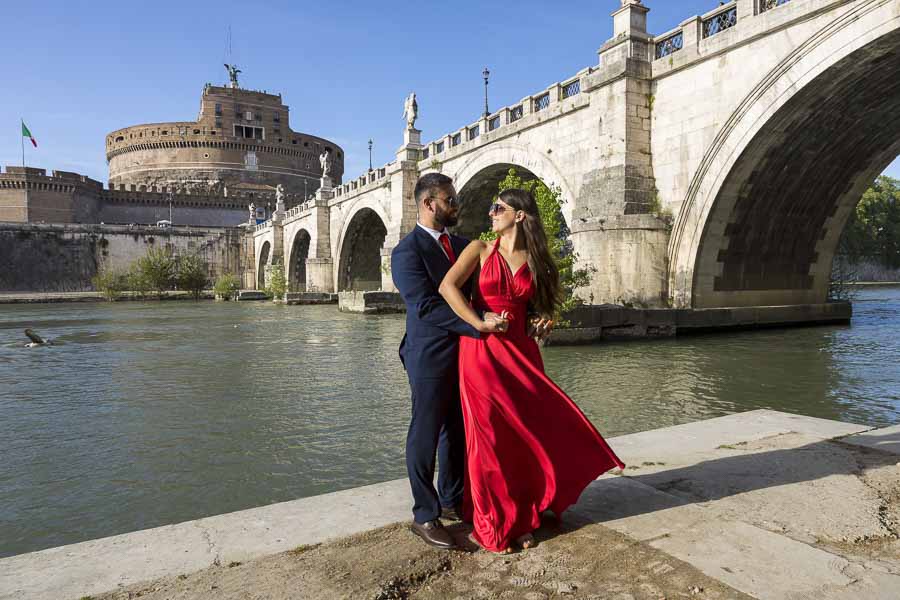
pixel 23 142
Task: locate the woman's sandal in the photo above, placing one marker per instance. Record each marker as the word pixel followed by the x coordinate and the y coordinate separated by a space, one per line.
pixel 526 541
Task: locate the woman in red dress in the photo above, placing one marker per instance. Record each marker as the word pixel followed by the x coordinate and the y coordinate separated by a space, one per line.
pixel 529 447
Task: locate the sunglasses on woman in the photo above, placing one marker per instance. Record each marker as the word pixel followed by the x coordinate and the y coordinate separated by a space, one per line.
pixel 496 207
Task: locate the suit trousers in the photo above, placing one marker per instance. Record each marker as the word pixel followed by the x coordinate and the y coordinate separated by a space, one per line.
pixel 436 427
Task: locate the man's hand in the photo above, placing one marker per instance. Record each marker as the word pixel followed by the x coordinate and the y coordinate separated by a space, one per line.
pixel 494 323
pixel 539 328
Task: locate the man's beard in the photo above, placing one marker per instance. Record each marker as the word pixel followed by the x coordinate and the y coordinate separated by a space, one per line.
pixel 446 219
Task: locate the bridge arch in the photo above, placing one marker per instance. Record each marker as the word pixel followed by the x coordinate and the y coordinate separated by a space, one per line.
pixel 299 252
pixel 766 208
pixel 261 263
pixel 477 177
pixel 359 248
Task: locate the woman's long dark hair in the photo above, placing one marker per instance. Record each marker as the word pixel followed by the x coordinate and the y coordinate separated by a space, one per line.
pixel 540 261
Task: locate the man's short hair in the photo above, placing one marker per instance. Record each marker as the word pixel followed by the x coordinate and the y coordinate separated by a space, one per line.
pixel 429 183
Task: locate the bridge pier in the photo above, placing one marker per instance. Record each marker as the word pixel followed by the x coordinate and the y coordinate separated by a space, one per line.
pixel 618 230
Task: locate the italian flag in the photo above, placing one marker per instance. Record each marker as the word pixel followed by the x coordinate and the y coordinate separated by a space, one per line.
pixel 26 133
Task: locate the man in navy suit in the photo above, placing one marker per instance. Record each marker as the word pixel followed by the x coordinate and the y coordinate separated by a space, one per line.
pixel 429 352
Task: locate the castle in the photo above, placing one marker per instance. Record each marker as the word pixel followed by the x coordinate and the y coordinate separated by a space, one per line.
pixel 200 173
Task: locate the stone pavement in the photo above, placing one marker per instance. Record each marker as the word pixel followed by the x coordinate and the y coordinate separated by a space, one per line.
pixel 773 505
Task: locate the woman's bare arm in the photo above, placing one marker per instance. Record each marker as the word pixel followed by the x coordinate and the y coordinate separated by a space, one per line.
pixel 451 287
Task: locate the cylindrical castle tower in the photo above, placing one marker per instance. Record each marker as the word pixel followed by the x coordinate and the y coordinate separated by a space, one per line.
pixel 242 139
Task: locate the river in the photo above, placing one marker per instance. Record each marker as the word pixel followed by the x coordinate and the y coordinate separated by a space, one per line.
pixel 145 414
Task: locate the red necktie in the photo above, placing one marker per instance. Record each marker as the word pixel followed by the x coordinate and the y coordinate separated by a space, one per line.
pixel 444 239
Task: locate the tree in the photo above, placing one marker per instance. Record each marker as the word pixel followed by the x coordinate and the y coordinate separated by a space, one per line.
pixel 872 234
pixel 549 201
pixel 277 282
pixel 226 286
pixel 158 269
pixel 192 274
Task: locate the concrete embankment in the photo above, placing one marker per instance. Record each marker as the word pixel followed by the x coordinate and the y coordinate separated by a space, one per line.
pixel 57 297
pixel 761 504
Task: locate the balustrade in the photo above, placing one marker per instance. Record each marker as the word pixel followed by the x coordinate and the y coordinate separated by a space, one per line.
pixel 670 45
pixel 720 22
pixel 572 88
pixel 765 5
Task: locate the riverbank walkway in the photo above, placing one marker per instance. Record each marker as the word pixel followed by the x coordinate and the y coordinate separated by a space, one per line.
pixel 761 504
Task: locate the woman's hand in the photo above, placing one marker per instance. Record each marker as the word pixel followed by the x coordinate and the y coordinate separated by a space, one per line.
pixel 494 323
pixel 539 328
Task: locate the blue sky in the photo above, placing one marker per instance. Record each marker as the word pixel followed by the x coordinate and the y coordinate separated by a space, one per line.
pixel 78 70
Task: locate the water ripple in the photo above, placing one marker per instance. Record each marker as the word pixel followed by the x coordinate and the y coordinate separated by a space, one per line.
pixel 147 414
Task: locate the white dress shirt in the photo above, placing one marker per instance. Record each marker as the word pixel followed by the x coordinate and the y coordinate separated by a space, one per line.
pixel 436 235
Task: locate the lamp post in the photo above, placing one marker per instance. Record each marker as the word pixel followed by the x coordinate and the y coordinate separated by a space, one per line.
pixel 486 74
pixel 370 154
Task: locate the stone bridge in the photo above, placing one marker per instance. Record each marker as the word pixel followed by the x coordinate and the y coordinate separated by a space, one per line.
pixel 712 165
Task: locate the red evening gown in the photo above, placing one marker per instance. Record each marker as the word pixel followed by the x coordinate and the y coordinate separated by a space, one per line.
pixel 529 447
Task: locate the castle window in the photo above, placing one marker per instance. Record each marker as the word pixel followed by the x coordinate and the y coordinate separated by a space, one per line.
pixel 257 133
pixel 306 144
pixel 120 138
pixel 196 132
pixel 294 142
pixel 218 124
pixel 238 111
pixel 213 132
pixel 277 117
pixel 218 110
pixel 165 132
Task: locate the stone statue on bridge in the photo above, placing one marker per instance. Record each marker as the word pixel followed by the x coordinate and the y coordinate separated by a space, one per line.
pixel 325 161
pixel 233 74
pixel 279 199
pixel 411 111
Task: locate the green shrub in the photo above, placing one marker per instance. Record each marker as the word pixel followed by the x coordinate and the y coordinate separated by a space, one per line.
pixel 136 282
pixel 192 270
pixel 110 283
pixel 277 282
pixel 227 286
pixel 158 269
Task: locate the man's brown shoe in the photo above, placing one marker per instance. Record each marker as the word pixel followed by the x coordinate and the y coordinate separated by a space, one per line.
pixel 434 534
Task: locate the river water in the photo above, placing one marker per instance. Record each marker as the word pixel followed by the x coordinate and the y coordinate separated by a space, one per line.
pixel 145 414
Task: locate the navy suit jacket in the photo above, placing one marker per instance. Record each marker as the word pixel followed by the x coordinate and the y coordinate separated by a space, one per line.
pixel 430 347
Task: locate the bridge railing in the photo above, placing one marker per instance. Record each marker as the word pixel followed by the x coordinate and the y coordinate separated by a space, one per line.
pixel 695 30
pixel 717 21
pixel 765 5
pixel 541 101
pixel 362 183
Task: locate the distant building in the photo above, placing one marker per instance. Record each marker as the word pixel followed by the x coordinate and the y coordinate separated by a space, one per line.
pixel 202 173
pixel 241 137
